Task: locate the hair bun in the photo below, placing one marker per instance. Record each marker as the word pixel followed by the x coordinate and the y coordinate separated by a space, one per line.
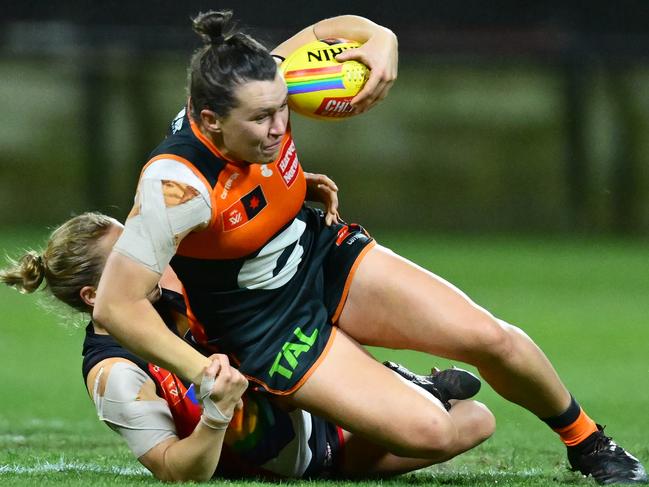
pixel 26 274
pixel 213 26
pixel 33 268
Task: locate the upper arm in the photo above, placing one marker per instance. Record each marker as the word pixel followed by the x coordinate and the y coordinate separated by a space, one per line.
pixel 126 400
pixel 171 202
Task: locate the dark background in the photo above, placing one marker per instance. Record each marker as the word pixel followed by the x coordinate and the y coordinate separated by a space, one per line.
pixel 506 117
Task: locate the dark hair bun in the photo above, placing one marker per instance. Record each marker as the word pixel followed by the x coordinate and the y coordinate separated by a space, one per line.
pixel 213 26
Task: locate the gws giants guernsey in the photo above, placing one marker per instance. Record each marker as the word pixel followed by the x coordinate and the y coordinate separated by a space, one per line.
pixel 240 271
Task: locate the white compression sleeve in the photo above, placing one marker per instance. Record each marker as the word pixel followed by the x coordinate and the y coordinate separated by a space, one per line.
pixel 142 423
pixel 151 234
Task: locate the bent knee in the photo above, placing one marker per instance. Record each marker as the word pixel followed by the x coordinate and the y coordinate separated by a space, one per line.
pixel 483 422
pixel 491 339
pixel 427 438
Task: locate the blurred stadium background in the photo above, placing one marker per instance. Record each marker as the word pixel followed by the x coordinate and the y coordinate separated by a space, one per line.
pixel 505 117
pixel 510 157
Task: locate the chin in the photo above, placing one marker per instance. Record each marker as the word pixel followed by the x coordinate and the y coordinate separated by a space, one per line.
pixel 266 158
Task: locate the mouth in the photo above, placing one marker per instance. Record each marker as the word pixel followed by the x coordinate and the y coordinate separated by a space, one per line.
pixel 272 147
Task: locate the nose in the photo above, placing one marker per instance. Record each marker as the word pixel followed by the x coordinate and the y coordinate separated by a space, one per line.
pixel 278 125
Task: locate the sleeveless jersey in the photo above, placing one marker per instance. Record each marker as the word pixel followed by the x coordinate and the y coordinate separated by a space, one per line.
pixel 242 273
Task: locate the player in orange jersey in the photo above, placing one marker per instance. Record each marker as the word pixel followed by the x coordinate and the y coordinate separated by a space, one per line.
pixel 180 432
pixel 288 293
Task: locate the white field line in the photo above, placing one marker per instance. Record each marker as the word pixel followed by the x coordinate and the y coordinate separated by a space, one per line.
pixel 13 438
pixel 62 466
pixel 44 423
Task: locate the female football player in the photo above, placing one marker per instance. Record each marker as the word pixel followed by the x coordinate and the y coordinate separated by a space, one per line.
pixel 233 434
pixel 286 295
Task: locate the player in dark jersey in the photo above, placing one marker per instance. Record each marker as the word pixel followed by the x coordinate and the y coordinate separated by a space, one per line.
pixel 286 291
pixel 161 417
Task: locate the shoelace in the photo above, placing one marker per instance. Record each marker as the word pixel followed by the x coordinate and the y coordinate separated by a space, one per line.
pixel 602 442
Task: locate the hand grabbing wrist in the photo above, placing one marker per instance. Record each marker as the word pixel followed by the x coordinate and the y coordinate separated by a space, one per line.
pixel 212 416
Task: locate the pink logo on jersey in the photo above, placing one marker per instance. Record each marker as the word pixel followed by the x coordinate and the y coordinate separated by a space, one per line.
pixel 289 165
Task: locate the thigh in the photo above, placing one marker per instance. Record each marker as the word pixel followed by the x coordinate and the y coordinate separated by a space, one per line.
pixel 397 304
pixel 354 391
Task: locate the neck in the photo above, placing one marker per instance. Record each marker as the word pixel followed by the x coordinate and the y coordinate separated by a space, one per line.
pixel 99 330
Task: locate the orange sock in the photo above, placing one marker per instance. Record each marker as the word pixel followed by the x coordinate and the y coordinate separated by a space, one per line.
pixel 573 425
pixel 578 431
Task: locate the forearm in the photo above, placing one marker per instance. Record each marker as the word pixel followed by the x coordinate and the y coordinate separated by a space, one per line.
pixel 193 458
pixel 350 27
pixel 139 328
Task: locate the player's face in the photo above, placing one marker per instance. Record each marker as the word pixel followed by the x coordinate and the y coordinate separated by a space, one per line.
pixel 253 130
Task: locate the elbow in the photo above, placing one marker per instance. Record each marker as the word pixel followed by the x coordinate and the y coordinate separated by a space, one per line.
pixel 174 469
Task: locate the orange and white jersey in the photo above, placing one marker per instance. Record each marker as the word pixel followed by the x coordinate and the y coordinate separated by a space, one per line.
pixel 263 275
pixel 252 207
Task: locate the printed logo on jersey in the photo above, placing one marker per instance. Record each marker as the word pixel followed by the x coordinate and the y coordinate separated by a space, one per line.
pixel 168 384
pixel 288 359
pixel 288 166
pixel 228 184
pixel 244 210
pixel 350 234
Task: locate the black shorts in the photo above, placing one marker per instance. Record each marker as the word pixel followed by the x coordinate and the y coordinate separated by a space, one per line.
pixel 282 444
pixel 277 337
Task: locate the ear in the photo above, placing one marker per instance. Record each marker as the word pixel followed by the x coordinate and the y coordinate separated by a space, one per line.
pixel 210 120
pixel 88 294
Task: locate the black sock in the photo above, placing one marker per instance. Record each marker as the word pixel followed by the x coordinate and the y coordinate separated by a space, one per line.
pixel 566 418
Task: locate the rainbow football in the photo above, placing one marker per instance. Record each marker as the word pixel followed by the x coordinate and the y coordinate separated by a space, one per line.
pixel 318 85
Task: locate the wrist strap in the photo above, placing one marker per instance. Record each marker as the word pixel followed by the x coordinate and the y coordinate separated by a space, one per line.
pixel 210 409
pixel 215 425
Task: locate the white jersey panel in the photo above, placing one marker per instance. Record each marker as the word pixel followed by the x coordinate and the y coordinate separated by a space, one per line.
pixel 261 271
pixel 295 457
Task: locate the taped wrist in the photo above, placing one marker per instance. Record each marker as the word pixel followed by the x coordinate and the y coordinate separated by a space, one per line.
pixel 219 426
pixel 212 416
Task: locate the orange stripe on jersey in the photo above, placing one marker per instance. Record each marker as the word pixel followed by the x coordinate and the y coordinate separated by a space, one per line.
pixel 195 326
pixel 348 282
pixel 307 374
pixel 207 142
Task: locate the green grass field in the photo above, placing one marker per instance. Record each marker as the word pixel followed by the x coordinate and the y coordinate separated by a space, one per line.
pixel 584 301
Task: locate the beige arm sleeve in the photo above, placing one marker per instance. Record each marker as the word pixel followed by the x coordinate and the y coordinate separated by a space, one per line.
pixel 142 423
